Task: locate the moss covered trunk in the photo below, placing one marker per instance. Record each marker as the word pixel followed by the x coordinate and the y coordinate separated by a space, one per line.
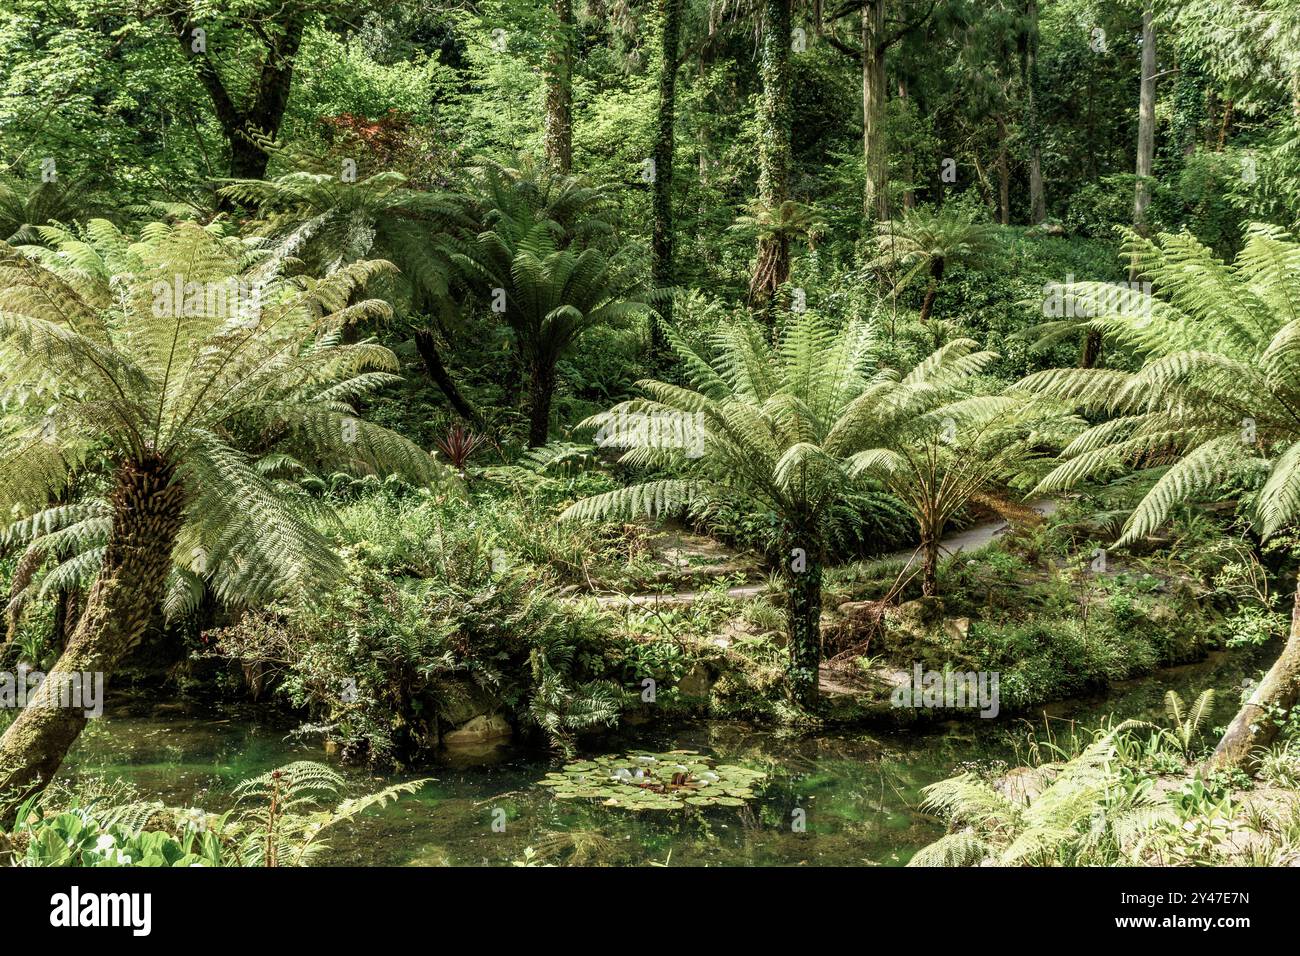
pixel 805 617
pixel 662 270
pixel 772 265
pixel 559 90
pixel 1254 727
pixel 147 515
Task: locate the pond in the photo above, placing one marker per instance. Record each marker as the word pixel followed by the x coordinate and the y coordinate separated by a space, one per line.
pixel 833 798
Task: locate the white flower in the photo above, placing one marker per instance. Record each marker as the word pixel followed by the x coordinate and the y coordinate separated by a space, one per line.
pixel 104 843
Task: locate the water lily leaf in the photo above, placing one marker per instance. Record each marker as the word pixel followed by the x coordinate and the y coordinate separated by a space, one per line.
pixel 642 780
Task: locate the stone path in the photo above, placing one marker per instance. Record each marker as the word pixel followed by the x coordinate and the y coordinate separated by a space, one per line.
pixel 972 539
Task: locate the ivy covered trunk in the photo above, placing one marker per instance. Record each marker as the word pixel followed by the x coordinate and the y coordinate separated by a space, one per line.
pixel 772 267
pixel 1256 725
pixel 662 271
pixel 559 90
pixel 1033 128
pixel 147 515
pixel 805 617
pixel 542 388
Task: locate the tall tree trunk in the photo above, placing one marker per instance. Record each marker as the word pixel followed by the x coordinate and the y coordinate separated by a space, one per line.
pixel 804 620
pixel 875 152
pixel 541 391
pixel 909 194
pixel 1254 726
pixel 936 273
pixel 427 346
pixel 1224 126
pixel 559 90
pixel 1033 128
pixel 662 271
pixel 772 267
pixel 1004 173
pixel 148 509
pixel 1146 144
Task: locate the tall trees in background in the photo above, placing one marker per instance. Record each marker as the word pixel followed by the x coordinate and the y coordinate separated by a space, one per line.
pixel 558 133
pixel 1028 40
pixel 776 124
pixel 249 107
pixel 874 41
pixel 662 271
pixel 1146 141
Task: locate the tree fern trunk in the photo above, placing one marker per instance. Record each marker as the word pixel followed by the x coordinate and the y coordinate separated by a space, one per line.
pixel 427 346
pixel 539 420
pixel 805 617
pixel 930 566
pixel 1091 351
pixel 1253 727
pixel 936 273
pixel 147 516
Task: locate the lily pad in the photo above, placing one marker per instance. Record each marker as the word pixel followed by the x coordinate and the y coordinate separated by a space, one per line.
pixel 641 780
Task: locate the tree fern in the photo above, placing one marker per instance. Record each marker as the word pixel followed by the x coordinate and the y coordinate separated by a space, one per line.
pixel 176 394
pixel 774 427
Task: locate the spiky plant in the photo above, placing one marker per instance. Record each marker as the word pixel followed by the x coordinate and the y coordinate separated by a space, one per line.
pixel 458 444
pixel 774 428
pixel 547 272
pixel 1217 395
pixel 925 239
pixel 164 356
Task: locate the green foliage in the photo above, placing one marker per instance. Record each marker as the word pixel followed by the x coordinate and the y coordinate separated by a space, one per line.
pixel 278 820
pixel 1213 395
pixel 1185 724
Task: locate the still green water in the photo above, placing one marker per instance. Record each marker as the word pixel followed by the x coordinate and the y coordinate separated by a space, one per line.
pixel 859 792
